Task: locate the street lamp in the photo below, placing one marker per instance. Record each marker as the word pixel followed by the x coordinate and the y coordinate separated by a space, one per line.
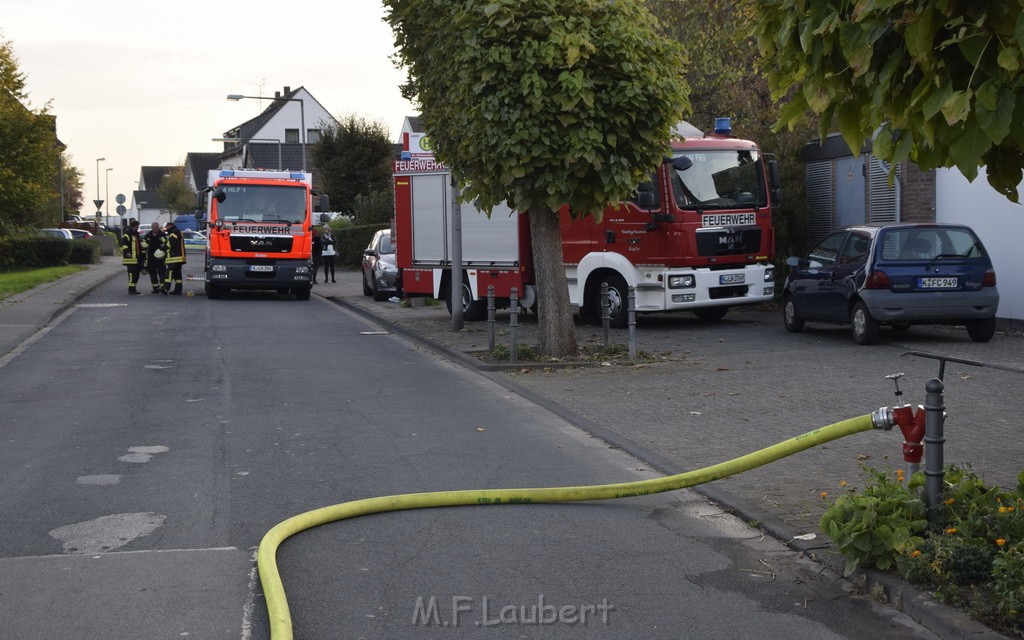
pixel 235 97
pixel 97 201
pixel 280 164
pixel 107 195
pixel 98 161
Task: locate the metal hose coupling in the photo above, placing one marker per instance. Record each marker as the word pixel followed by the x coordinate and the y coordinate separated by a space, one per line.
pixel 882 418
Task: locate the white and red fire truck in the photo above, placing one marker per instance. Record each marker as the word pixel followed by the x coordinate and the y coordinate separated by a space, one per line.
pixel 698 237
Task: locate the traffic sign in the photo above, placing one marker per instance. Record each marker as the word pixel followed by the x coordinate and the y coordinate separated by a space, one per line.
pixel 98 203
pixel 121 210
pixel 120 198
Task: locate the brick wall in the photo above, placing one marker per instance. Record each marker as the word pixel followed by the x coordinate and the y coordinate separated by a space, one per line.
pixel 917 194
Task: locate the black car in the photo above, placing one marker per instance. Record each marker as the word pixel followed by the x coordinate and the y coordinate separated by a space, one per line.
pixel 899 275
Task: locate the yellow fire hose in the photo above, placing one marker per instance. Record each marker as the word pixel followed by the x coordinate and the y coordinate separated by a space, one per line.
pixel 273 590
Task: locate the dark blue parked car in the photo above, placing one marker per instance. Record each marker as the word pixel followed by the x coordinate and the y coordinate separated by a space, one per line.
pixel 898 275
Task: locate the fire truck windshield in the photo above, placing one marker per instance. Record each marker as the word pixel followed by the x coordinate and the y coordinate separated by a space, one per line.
pixel 719 179
pixel 262 203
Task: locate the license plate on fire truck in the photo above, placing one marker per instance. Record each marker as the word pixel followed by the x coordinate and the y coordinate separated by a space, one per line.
pixel 261 267
pixel 732 278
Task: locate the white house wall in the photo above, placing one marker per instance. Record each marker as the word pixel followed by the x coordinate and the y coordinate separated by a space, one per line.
pixel 997 221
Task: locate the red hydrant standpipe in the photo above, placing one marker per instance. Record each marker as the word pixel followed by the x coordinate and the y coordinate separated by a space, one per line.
pixel 911 423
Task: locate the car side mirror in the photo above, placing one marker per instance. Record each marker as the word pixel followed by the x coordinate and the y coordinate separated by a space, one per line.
pixel 793 261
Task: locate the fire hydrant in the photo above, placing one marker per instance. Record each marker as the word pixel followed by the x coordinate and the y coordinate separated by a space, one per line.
pixel 912 423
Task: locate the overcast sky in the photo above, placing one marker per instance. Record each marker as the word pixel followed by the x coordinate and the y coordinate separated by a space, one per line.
pixel 140 83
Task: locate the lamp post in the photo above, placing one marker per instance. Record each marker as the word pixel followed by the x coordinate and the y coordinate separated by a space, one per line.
pixel 98 161
pixel 107 194
pixel 280 164
pixel 97 201
pixel 235 97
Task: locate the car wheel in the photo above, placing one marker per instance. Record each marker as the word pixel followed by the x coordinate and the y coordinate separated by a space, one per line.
pixel 793 322
pixel 865 328
pixel 712 314
pixel 981 330
pixel 367 291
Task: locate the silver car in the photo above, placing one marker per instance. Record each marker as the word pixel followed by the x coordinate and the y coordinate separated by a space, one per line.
pixel 380 270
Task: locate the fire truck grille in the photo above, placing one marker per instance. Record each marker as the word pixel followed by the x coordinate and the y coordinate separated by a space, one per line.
pixel 729 242
pixel 262 244
pixel 721 293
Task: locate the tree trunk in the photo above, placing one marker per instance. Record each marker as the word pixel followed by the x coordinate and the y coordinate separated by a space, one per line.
pixel 554 313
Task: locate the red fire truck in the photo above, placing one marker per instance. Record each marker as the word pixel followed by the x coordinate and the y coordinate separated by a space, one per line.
pixel 697 237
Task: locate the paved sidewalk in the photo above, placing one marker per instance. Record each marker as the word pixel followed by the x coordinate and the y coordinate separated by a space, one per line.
pixel 711 392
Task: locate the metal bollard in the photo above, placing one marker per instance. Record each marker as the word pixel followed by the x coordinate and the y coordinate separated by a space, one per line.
pixel 490 318
pixel 606 310
pixel 934 472
pixel 632 323
pixel 513 326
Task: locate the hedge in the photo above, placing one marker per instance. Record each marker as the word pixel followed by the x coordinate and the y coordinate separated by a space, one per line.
pixel 350 241
pixel 19 253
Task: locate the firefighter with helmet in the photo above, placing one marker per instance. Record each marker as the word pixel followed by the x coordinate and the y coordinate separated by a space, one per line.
pixel 174 250
pixel 131 254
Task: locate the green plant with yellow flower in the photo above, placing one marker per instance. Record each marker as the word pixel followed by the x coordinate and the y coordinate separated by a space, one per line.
pixel 972 557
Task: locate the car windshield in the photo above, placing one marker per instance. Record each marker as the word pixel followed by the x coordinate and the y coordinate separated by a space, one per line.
pixel 262 203
pixel 386 247
pixel 719 179
pixel 929 243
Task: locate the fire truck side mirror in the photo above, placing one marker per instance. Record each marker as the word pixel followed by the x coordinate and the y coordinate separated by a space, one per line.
pixel 201 198
pixel 774 181
pixel 219 194
pixel 682 163
pixel 646 198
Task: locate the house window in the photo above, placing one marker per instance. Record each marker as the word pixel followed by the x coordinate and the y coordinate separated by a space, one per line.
pixel 312 136
pixel 291 136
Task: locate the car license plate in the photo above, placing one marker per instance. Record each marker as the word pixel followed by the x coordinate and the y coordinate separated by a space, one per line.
pixel 261 267
pixel 732 278
pixel 938 283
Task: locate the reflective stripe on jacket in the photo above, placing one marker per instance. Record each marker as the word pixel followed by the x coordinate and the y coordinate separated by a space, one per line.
pixel 131 247
pixel 174 247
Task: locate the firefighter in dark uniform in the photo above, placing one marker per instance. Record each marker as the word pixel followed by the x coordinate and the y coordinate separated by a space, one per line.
pixel 131 254
pixel 153 242
pixel 174 248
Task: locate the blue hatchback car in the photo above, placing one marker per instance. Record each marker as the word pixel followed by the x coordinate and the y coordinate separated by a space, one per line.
pixel 899 275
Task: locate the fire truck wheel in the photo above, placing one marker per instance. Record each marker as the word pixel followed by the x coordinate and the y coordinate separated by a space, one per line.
pixel 618 298
pixel 711 314
pixel 302 293
pixel 213 292
pixel 472 310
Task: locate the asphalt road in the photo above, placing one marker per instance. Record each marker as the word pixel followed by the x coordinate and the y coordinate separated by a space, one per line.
pixel 149 442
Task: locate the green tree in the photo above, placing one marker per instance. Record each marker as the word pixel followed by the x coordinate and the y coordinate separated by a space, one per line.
pixel 29 151
pixel 353 159
pixel 175 192
pixel 74 196
pixel 725 77
pixel 376 208
pixel 542 103
pixel 942 80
